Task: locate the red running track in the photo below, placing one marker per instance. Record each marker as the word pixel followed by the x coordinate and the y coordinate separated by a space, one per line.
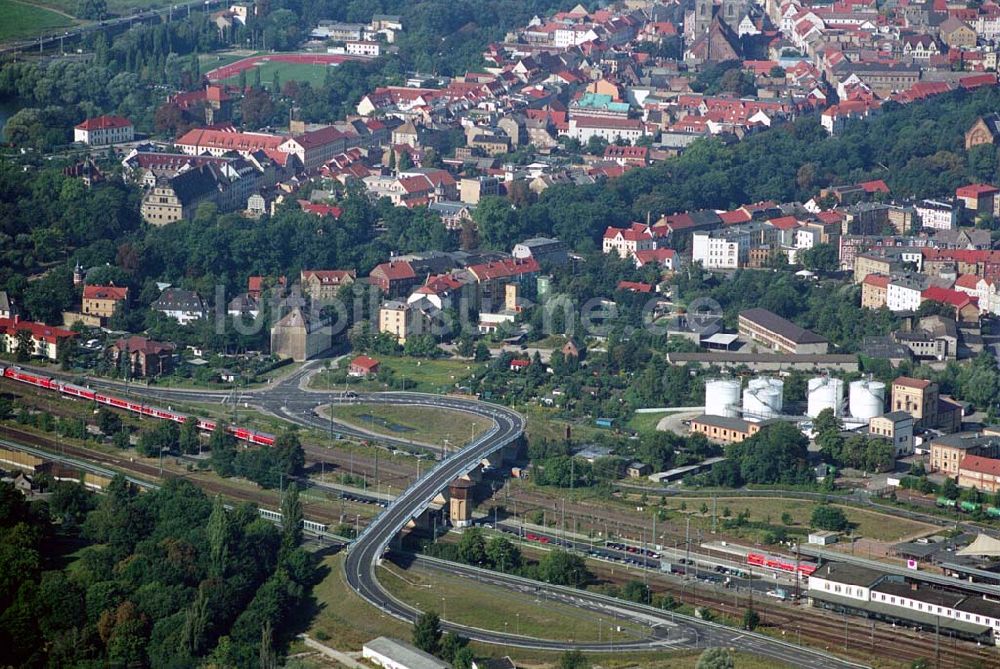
pixel 233 69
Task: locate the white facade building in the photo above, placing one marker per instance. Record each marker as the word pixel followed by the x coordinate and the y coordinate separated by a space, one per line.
pixel 904 294
pixel 937 214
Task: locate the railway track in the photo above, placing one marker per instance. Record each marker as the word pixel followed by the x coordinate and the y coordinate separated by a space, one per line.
pixel 151 472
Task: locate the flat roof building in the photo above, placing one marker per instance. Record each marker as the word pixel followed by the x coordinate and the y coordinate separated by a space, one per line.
pixel 395 654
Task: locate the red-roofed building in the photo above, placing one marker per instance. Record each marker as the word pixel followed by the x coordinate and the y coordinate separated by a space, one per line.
pixel 101 301
pixel 874 291
pixel 518 364
pixel 665 258
pixel 978 198
pixel 734 217
pixel 219 141
pixel 145 356
pixel 876 186
pixel 983 474
pixel 104 130
pixel 320 209
pixel 634 287
pixel 627 241
pixel 46 340
pixel 315 147
pixel 493 277
pixel 635 156
pixel 363 366
pixel 394 277
pixel 965 305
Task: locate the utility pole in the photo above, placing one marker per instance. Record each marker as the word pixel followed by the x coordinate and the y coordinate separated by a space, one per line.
pixel 687 547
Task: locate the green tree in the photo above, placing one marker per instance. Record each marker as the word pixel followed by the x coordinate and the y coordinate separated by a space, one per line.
pixel 427 632
pixel 291 520
pixel 826 517
pixel 223 448
pixel 451 644
pixel 482 352
pixel 716 658
pixel 573 659
pixel 290 455
pixel 219 532
pixel 188 441
pixel 25 347
pixel 949 488
pixel 108 421
pixel 751 619
pixel 472 547
pixel 561 568
pixel 502 555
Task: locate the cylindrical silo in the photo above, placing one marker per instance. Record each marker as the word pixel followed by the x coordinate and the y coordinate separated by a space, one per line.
pixel 722 397
pixel 866 399
pixel 825 393
pixel 763 399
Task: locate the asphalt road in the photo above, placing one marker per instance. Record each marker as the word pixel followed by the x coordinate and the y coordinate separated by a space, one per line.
pixel 292 400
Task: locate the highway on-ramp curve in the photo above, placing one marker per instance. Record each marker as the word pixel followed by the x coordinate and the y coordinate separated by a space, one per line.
pixel 292 400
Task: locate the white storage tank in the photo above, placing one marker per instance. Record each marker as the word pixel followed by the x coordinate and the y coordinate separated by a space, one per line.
pixel 722 397
pixel 763 398
pixel 866 399
pixel 825 393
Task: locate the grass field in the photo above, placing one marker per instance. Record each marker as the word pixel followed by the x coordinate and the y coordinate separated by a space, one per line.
pixel 489 607
pixel 645 423
pixel 347 622
pixel 304 72
pixel 20 20
pixel 430 376
pixel 422 424
pixel 869 524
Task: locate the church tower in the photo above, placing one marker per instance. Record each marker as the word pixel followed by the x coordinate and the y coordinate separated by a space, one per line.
pixel 703 10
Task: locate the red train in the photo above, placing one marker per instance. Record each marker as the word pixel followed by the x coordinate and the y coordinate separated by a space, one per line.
pixel 804 568
pixel 18 374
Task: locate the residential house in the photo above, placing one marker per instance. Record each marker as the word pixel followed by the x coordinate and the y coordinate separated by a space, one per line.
pixel 104 130
pixel 146 358
pixel 363 366
pixel 628 241
pixel 957 34
pixel 323 285
pixel 184 306
pixel 905 293
pixel 46 341
pixel 949 451
pixel 402 320
pixel 101 301
pixel 7 308
pixel 665 258
pixel 896 427
pixel 937 214
pixel 874 291
pixel 544 250
pixel 492 277
pixel 474 189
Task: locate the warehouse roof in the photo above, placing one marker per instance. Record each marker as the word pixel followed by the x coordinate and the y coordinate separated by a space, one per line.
pixel 782 327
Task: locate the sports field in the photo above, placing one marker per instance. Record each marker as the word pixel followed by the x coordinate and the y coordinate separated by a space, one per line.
pixel 309 67
pixel 21 19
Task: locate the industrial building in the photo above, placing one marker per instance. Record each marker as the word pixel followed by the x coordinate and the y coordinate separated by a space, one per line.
pixel 768 328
